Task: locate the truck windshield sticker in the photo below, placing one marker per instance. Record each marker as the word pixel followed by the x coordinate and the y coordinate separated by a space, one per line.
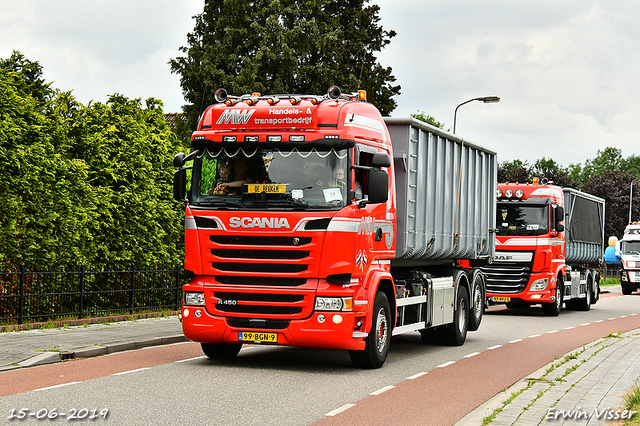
pixel 272 177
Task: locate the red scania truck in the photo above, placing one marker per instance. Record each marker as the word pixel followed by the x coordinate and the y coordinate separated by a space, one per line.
pixel 549 246
pixel 346 229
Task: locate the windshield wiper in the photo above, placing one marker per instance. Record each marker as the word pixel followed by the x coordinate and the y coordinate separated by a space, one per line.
pixel 219 203
pixel 283 202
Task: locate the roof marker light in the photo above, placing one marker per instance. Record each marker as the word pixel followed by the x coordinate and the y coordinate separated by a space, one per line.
pixel 295 100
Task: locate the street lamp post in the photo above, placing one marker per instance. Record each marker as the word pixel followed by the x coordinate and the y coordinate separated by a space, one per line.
pixel 485 99
pixel 631 198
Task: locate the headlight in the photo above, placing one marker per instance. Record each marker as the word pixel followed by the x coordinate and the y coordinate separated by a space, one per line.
pixel 540 284
pixel 334 304
pixel 194 298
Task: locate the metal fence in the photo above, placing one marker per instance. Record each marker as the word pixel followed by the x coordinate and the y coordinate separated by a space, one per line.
pixel 31 294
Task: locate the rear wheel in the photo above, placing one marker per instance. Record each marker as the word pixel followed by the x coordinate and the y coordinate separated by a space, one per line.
pixel 221 350
pixel 455 334
pixel 627 291
pixel 379 339
pixel 477 302
pixel 585 304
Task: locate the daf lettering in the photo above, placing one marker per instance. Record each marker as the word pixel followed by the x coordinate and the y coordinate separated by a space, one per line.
pixel 259 222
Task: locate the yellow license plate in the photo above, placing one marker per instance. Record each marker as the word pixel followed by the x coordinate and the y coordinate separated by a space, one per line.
pixel 252 336
pixel 501 299
pixel 267 189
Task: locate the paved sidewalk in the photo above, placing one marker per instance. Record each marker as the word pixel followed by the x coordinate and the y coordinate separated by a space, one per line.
pixel 34 347
pixel 585 387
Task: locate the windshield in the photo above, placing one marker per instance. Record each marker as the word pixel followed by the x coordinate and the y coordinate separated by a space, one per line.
pixel 630 247
pixel 520 219
pixel 270 178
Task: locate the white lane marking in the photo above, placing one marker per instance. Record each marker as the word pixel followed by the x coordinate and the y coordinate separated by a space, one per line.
pixel 383 390
pixel 339 410
pixel 569 328
pixel 471 354
pixel 494 347
pixel 192 359
pixel 446 364
pixel 586 323
pixel 516 341
pixel 55 386
pixel 415 376
pixel 552 331
pixel 533 335
pixel 131 371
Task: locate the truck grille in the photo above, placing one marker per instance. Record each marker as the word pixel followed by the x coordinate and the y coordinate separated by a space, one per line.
pixel 506 279
pixel 270 304
pixel 261 254
pixel 264 281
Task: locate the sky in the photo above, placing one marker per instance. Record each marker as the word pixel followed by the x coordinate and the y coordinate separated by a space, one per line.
pixel 566 71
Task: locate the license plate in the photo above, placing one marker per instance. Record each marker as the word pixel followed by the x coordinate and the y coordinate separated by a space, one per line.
pixel 500 299
pixel 252 336
pixel 267 189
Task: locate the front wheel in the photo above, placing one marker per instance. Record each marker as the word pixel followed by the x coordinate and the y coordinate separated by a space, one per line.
pixel 553 309
pixel 221 350
pixel 379 339
pixel 455 334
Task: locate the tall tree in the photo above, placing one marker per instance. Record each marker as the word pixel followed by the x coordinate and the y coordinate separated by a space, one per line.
pixel 547 170
pixel 614 187
pixel 284 46
pixel 514 171
pixel 83 184
pixel 423 116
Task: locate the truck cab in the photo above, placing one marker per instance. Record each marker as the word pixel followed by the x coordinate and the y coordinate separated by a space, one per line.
pixel 548 245
pixel 630 267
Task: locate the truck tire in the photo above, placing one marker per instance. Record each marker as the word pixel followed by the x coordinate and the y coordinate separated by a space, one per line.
pixel 379 339
pixel 585 303
pixel 595 296
pixel 553 309
pixel 455 334
pixel 477 302
pixel 221 350
pixel 627 291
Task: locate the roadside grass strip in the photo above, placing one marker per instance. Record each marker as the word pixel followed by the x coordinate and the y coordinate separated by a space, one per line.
pixel 553 376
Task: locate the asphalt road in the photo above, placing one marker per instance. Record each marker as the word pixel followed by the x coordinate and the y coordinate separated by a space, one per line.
pixel 419 384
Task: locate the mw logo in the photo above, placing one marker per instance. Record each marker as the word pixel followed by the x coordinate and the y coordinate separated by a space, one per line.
pixel 235 116
pixel 366 226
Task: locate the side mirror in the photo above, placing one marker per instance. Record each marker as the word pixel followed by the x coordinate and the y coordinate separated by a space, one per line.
pixel 179 160
pixel 559 217
pixel 378 186
pixel 381 159
pixel 179 187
